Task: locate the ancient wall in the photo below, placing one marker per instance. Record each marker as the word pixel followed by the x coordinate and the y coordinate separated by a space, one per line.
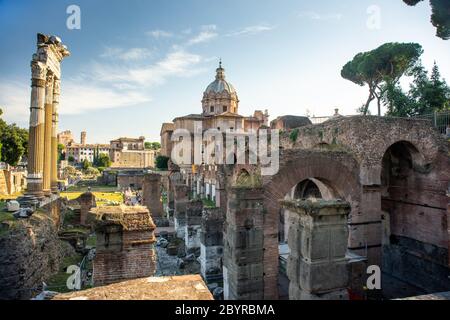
pixel 194 211
pixel 211 245
pixel 243 273
pixel 181 199
pixel 87 202
pixel 30 253
pixel 151 197
pixel 130 180
pixel 125 244
pixel 317 266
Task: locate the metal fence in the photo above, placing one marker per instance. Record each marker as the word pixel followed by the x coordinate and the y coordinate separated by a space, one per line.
pixel 440 120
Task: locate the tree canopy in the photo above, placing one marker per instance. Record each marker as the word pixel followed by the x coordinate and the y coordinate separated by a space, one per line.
pixel 153 145
pixel 13 142
pixel 440 16
pixel 381 66
pixel 426 95
pixel 161 162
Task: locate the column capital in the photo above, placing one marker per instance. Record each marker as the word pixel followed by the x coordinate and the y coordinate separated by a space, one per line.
pixel 38 70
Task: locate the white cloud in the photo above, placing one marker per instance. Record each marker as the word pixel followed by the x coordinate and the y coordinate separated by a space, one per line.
pixel 15 101
pixel 79 98
pixel 320 16
pixel 251 30
pixel 207 33
pixel 177 63
pixel 131 54
pixel 160 34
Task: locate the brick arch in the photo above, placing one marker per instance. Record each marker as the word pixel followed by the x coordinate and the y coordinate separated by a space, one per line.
pixel 339 170
pixel 336 169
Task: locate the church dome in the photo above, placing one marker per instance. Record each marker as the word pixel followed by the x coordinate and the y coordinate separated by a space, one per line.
pixel 220 84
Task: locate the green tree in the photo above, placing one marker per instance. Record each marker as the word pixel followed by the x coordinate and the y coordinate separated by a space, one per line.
pixel 86 164
pixel 92 171
pixel 383 65
pixel 440 16
pixel 102 160
pixel 426 95
pixel 14 142
pixel 71 159
pixel 152 145
pixel 61 154
pixel 161 162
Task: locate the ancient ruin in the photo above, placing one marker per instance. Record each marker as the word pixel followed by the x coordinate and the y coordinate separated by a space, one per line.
pixel 125 242
pixel 45 92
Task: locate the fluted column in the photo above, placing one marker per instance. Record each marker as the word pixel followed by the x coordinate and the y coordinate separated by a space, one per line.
pixel 36 132
pixel 54 162
pixel 48 134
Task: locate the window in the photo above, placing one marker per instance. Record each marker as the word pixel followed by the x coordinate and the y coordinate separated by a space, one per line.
pixel 225 109
pixel 211 109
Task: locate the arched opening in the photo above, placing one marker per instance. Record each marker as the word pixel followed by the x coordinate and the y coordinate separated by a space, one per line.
pixel 307 189
pixel 410 225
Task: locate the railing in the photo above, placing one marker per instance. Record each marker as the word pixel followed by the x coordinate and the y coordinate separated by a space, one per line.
pixel 440 120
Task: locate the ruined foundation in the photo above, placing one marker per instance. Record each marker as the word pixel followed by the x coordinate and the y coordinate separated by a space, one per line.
pixel 194 210
pixel 87 202
pixel 151 197
pixel 125 244
pixel 211 245
pixel 180 203
pixel 317 266
pixel 243 276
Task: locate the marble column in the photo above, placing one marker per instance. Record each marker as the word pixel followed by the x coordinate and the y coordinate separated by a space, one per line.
pixel 48 134
pixel 54 147
pixel 36 131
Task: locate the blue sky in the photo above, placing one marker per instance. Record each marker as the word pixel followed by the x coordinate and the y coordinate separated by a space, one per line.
pixel 135 64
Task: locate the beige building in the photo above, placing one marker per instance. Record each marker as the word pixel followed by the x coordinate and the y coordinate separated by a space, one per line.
pixel 12 179
pixel 65 137
pixel 220 105
pixel 131 153
pixel 82 151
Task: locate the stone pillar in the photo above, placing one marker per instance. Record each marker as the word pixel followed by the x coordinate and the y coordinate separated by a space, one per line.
pixel 45 66
pixel 46 183
pixel 243 275
pixel 55 116
pixel 211 245
pixel 194 211
pixel 317 266
pixel 87 202
pixel 151 197
pixel 180 202
pixel 125 244
pixel 36 131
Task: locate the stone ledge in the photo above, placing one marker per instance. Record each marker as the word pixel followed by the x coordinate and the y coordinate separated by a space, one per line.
pixel 188 287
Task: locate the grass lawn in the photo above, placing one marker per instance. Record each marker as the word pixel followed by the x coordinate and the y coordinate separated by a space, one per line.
pixel 101 197
pixel 83 187
pixel 10 196
pixel 57 282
